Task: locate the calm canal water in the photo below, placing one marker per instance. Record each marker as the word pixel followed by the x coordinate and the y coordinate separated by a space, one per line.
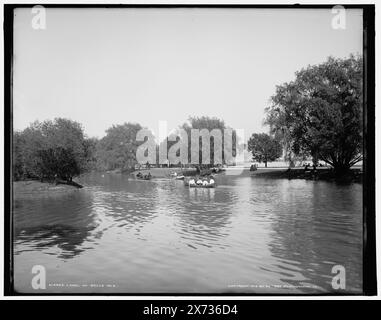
pixel 249 235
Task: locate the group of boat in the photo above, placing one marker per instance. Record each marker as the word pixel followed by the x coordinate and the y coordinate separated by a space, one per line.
pixel 191 182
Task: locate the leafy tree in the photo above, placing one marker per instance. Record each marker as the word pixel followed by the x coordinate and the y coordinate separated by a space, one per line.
pixel 264 148
pixel 49 149
pixel 59 162
pixel 26 145
pixel 90 149
pixel 117 150
pixel 209 123
pixel 18 163
pixel 320 112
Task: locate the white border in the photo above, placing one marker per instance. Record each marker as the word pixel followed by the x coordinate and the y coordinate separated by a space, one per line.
pixel 378 150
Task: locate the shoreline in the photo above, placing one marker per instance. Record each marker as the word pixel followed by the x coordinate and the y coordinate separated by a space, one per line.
pixel 35 188
pixel 165 172
pixel 321 174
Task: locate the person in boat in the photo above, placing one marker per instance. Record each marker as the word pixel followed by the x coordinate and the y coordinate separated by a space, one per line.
pixel 205 182
pixel 139 175
pixel 192 182
pixel 211 181
pixel 199 182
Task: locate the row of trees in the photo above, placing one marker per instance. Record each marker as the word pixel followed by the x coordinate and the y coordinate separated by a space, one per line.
pixel 317 115
pixel 59 149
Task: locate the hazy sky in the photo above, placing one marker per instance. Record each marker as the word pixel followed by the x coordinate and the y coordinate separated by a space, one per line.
pixel 108 66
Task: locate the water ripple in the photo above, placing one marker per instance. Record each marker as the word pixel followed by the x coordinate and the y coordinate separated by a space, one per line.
pixel 158 236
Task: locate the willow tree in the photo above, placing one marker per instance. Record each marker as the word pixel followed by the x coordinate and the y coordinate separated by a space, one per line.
pixel 321 112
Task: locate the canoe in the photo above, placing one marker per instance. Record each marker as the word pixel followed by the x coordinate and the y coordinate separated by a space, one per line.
pixel 180 178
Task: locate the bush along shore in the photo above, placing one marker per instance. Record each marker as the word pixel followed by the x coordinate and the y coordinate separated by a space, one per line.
pixel 326 174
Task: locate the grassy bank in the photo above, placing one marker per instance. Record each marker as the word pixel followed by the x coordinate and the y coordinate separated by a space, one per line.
pixel 36 188
pixel 326 174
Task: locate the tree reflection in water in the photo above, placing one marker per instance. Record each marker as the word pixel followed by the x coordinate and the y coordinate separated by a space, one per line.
pixel 67 238
pixel 64 221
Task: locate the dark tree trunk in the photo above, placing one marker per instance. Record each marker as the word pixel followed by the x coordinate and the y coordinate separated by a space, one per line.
pixel 341 170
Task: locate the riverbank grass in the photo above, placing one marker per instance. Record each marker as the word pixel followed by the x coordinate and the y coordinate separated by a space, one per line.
pixel 37 188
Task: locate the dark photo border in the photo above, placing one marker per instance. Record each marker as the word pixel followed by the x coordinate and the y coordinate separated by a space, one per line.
pixel 369 237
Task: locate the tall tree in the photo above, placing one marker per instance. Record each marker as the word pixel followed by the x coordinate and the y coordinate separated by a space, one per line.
pixel 90 149
pixel 264 148
pixel 117 150
pixel 320 112
pixel 208 123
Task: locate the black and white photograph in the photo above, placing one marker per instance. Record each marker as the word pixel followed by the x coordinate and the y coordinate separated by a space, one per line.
pixel 190 150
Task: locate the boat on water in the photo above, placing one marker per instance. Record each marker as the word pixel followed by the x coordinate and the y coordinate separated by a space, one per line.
pixel 218 169
pixel 176 176
pixel 141 176
pixel 202 186
pixel 144 178
pixel 205 184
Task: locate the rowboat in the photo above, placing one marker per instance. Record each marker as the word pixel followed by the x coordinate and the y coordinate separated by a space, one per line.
pixel 144 178
pixel 194 185
pixel 202 186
